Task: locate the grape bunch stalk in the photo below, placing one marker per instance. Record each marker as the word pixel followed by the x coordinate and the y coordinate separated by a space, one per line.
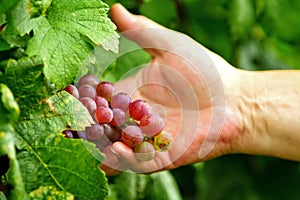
pixel 118 118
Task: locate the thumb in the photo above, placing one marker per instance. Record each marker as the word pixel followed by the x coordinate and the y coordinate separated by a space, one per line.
pixel 126 21
pixel 145 32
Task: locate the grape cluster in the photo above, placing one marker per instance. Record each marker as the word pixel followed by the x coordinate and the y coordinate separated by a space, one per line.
pixel 118 118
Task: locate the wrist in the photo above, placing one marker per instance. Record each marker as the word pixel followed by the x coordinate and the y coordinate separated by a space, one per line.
pixel 268 111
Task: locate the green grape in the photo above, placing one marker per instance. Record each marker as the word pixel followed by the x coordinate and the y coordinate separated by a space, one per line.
pixel 163 141
pixel 144 151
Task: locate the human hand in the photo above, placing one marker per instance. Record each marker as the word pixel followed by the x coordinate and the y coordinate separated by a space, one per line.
pixel 188 85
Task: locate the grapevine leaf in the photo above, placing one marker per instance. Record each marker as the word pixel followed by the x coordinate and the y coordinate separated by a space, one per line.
pixel 14 178
pixel 126 180
pixel 115 67
pixel 4 45
pixel 2 19
pixel 38 7
pixel 48 159
pixel 242 17
pixel 163 186
pixel 159 185
pixel 6 5
pixel 47 192
pixel 164 17
pixel 135 183
pixel 18 25
pixel 26 80
pixel 9 108
pixel 67 34
pixel 2 196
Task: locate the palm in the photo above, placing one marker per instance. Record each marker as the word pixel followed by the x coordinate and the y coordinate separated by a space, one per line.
pixel 165 84
pixel 183 84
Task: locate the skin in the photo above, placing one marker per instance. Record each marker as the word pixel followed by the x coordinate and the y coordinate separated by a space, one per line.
pixel 258 111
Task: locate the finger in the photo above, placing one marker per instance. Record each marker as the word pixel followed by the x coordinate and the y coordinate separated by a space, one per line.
pixel 151 36
pixel 160 162
pixel 111 165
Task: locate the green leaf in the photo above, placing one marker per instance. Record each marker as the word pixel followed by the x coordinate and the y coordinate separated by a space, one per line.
pixel 67 34
pixel 26 80
pixel 9 108
pixel 38 7
pixel 4 45
pixel 2 196
pixel 48 159
pixel 2 18
pixel 47 192
pixel 163 186
pixel 161 15
pixel 18 25
pixel 242 17
pixel 14 178
pixel 135 185
pixel 160 185
pixel 6 5
pixel 113 67
pixel 282 19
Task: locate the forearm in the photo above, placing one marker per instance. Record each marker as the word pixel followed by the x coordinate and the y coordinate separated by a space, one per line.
pixel 269 107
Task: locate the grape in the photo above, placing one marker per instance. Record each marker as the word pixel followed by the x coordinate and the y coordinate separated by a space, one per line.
pixel 81 134
pixel 105 90
pixel 119 117
pixel 100 101
pixel 132 136
pixel 144 151
pixel 103 115
pixel 163 141
pixel 152 124
pixel 138 109
pixel 112 134
pixel 89 104
pixel 95 132
pixel 102 143
pixel 88 79
pixel 67 134
pixel 87 91
pixel 120 100
pixel 72 90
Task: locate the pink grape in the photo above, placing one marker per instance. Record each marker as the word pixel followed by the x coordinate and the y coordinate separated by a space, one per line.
pixel 88 79
pixel 151 124
pixel 103 115
pixel 81 134
pixel 144 151
pixel 95 132
pixel 119 117
pixel 89 104
pixel 138 109
pixel 71 89
pixel 87 91
pixel 132 136
pixel 100 101
pixel 112 134
pixel 105 90
pixel 120 100
pixel 67 133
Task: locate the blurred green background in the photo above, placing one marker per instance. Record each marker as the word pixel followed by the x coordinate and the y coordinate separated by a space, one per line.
pixel 252 35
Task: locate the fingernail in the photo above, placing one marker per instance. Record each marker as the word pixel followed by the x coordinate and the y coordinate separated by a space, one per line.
pixel 115 153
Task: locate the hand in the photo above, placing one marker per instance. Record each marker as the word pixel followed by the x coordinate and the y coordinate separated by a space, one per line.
pixel 189 85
